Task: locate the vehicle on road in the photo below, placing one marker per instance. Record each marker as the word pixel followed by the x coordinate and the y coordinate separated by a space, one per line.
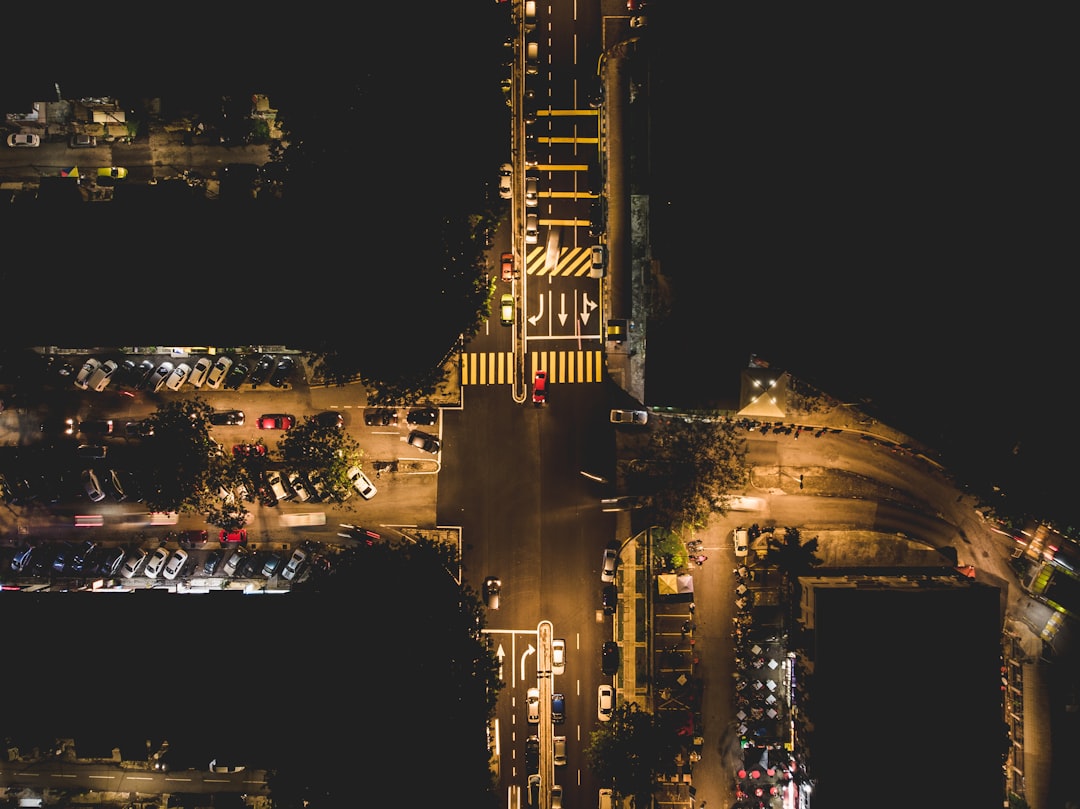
pixel 532 705
pixel 609 658
pixel 539 396
pixel 605 702
pixel 607 565
pixel 426 416
pixel 276 421
pixel 227 418
pixel 558 656
pixel 361 483
pixel 424 441
pixel 492 589
pixel 629 416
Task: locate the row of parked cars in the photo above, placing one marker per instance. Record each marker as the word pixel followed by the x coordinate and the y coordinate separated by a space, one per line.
pixel 211 372
pixel 88 559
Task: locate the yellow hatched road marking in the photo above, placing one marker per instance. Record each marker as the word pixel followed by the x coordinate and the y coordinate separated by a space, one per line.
pixel 572 261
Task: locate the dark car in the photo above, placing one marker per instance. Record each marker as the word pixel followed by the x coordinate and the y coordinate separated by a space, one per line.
pixel 58 426
pixel 236 376
pixel 62 556
pixel 143 372
pixel 138 429
pixel 283 372
pixel 84 558
pixel 227 418
pixel 380 417
pixel 609 658
pixel 329 418
pixel 597 226
pixel 609 598
pixel 425 415
pixel 424 441
pixel 127 374
pixel 532 754
pixel 251 565
pixel 262 370
pixel 210 566
pixel 96 427
pixel 110 560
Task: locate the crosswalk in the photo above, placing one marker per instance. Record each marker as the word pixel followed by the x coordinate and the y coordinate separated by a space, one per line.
pixel 563 367
pixel 573 262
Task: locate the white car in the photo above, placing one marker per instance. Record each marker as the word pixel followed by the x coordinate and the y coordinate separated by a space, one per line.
pixel 605 702
pixel 532 197
pixel 361 483
pixel 295 564
pixel 506 172
pixel 296 481
pixel 102 376
pixel 598 261
pixel 532 705
pixel 133 563
pixel 218 371
pixel 156 563
pixel 178 376
pixel 82 379
pixel 629 416
pixel 742 541
pixel 23 140
pixel 558 656
pixel 200 372
pixel 607 565
pixel 175 564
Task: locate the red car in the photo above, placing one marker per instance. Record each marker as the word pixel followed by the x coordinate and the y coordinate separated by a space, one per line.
pixel 508 266
pixel 276 421
pixel 247 450
pixel 239 535
pixel 540 388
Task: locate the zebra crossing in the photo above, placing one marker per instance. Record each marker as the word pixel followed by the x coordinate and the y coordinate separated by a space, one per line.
pixel 573 262
pixel 563 366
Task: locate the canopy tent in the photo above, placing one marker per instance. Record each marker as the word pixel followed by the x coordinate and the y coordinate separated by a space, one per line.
pixel 675 587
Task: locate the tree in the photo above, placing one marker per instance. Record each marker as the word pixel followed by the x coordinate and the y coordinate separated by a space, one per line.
pixel 183 467
pixel 686 468
pixel 326 450
pixel 631 750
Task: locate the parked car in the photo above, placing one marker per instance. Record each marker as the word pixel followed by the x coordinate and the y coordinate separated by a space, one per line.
pixel 200 371
pixel 233 563
pixel 605 702
pixel 178 376
pixel 380 417
pixel 296 481
pixel 506 264
pixel 629 416
pixel 219 371
pixel 295 564
pixel 532 705
pixel 138 429
pixel 23 140
pixel 506 173
pixel 143 372
pixel 361 483
pixel 506 309
pixel 277 486
pixel 160 377
pixel 102 376
pixel 425 415
pixel 156 562
pixel 424 441
pixel 558 656
pixel 236 535
pixel 283 372
pixel 110 560
pixel 22 559
pixel 82 141
pixel 329 418
pixel 92 486
pixel 82 379
pixel 271 565
pixel 609 658
pixel 609 598
pixel 134 562
pixel 236 376
pixel 558 751
pixel 249 450
pixel 227 418
pixel 608 562
pixel 276 421
pixel 176 563
pixel 210 565
pixel 262 370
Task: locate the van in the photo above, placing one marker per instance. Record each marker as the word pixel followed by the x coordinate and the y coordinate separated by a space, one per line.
pixel 606 801
pixel 532 58
pixel 530 15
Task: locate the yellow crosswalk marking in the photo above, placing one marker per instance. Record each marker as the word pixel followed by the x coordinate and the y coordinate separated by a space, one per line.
pixel 563 367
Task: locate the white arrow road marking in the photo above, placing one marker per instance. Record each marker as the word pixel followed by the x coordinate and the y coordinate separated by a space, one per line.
pixel 586 308
pixel 562 308
pixel 500 653
pixel 525 656
pixel 536 318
